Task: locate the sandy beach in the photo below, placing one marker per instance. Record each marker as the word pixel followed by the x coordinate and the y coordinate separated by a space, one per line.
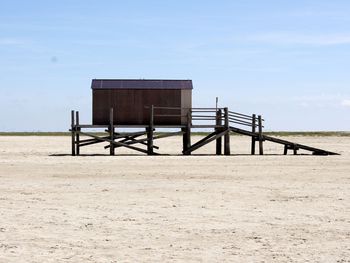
pixel 200 208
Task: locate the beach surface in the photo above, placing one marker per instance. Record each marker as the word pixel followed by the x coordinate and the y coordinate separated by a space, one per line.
pixel 173 208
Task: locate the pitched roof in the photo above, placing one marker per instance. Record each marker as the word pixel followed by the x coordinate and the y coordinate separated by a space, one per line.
pixel 141 84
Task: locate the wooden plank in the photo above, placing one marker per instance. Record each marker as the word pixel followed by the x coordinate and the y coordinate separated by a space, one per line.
pixel 131 140
pixel 211 117
pixel 206 109
pixel 159 136
pixel 87 126
pixel 150 132
pixel 184 139
pixel 283 142
pixel 126 135
pixel 206 126
pixel 204 139
pixel 111 131
pixel 295 149
pixel 240 114
pixel 187 134
pixel 92 142
pixel 198 145
pixel 238 121
pixel 87 140
pixel 77 142
pixel 253 137
pixel 135 142
pixel 261 149
pixel 114 142
pixel 73 132
pixel 227 150
pixel 218 140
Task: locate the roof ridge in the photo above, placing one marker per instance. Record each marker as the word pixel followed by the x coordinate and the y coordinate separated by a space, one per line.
pixel 141 84
pixel 148 79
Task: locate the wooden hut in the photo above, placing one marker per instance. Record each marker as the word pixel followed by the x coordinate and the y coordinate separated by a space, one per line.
pixel 131 100
pixel 153 104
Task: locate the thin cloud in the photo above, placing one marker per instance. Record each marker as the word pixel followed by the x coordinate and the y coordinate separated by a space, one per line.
pixel 324 14
pixel 301 39
pixel 314 101
pixel 11 42
pixel 346 103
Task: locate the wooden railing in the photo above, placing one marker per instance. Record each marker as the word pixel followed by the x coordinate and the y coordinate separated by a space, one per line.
pixel 217 115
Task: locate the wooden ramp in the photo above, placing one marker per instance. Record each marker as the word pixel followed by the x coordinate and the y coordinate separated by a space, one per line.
pixel 288 145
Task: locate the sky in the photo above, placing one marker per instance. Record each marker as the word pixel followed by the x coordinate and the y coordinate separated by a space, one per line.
pixel 286 60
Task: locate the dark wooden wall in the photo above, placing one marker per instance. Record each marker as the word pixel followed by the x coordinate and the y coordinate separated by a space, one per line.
pixel 129 105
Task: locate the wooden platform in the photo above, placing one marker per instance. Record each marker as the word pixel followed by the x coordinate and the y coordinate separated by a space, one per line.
pixel 220 120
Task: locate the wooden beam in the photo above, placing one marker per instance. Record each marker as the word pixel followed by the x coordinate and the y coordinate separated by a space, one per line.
pixel 73 132
pixel 88 140
pixel 261 147
pixel 218 140
pixel 155 137
pixel 227 150
pixel 198 145
pixel 253 131
pixel 131 140
pixel 126 135
pixel 90 143
pixel 94 141
pixel 111 132
pixel 186 141
pixel 77 142
pixel 135 142
pixel 188 131
pixel 204 139
pixel 160 136
pixel 295 149
pixel 114 142
pixel 150 132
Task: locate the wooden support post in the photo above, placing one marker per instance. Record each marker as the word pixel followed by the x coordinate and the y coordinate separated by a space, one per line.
pixel 111 132
pixel 218 140
pixel 295 150
pixel 253 131
pixel 261 147
pixel 73 132
pixel 227 150
pixel 150 132
pixel 77 142
pixel 186 139
pixel 285 149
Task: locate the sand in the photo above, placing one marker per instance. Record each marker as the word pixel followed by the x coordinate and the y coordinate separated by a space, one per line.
pixel 135 208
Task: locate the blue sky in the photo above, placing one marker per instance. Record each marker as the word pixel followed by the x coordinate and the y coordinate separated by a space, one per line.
pixel 287 60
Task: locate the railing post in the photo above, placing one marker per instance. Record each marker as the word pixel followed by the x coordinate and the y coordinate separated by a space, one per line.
pixel 218 130
pixel 73 132
pixel 187 135
pixel 227 150
pixel 253 131
pixel 261 149
pixel 77 143
pixel 111 132
pixel 150 132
